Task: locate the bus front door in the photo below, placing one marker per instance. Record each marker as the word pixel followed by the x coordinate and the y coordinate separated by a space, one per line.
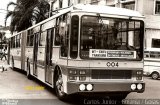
pixel 35 51
pixel 48 57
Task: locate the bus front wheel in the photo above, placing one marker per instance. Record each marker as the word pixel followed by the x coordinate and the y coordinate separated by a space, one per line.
pixel 58 85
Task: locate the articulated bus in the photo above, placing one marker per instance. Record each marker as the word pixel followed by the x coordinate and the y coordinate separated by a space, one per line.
pixel 84 49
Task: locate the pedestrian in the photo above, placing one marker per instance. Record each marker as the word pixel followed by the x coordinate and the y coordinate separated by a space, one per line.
pixel 4 54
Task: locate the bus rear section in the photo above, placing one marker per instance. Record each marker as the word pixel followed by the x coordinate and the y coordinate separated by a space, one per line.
pixel 16 53
pixel 105 55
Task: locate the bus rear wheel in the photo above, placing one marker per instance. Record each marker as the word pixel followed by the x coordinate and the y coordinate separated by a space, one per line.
pixel 58 85
pixel 155 75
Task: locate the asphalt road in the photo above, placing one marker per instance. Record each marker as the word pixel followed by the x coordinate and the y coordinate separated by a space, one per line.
pixel 152 90
pixel 16 88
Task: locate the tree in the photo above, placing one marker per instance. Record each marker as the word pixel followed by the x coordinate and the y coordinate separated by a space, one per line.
pixel 26 13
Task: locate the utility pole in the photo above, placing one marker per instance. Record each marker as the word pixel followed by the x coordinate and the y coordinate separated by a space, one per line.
pixel 1 43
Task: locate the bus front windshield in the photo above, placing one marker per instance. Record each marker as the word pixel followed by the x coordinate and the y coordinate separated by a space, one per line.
pixel 111 38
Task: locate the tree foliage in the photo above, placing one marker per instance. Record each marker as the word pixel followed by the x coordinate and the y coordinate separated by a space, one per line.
pixel 25 13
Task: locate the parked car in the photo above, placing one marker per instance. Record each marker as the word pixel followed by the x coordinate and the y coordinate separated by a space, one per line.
pixel 155 74
pixel 152 63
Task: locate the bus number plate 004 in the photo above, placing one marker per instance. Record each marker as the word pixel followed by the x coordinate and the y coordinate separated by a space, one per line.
pixel 112 64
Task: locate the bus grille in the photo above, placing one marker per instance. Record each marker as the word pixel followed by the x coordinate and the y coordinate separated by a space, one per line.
pixel 111 74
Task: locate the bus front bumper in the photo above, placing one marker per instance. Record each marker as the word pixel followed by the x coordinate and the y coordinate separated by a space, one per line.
pixel 78 87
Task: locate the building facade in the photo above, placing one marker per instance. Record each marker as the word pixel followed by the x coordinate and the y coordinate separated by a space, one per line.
pixel 149 8
pixel 57 4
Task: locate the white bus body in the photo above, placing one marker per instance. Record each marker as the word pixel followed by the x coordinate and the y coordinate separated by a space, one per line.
pixel 85 49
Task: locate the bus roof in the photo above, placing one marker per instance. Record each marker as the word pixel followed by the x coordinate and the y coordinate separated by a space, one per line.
pixel 92 9
pixel 108 10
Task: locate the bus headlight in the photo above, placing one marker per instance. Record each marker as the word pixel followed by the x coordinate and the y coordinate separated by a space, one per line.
pixel 82 72
pixel 82 78
pixel 73 72
pixel 139 78
pixel 139 72
pixel 72 78
pixel 133 86
pixel 77 74
pixel 139 75
pixel 139 86
pixel 82 87
pixel 89 87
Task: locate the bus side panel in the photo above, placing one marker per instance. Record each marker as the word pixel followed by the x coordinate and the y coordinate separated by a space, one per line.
pixel 78 63
pixel 117 64
pixel 16 54
pixel 41 64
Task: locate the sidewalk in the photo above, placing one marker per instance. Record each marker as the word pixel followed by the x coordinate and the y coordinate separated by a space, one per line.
pixel 3 65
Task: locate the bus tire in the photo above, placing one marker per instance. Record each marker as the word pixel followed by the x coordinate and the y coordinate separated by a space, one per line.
pixel 155 75
pixel 58 85
pixel 12 63
pixel 28 70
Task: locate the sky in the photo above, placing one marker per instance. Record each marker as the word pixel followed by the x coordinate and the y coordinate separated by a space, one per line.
pixel 3 7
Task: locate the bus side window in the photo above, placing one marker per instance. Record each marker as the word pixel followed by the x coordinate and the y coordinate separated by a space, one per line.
pixel 42 38
pixel 31 40
pixel 57 36
pixel 74 37
pixel 20 40
pixel 30 37
pixel 28 33
pixel 63 32
pixel 16 41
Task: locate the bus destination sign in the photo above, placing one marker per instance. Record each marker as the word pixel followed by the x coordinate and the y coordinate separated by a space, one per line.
pixel 98 53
